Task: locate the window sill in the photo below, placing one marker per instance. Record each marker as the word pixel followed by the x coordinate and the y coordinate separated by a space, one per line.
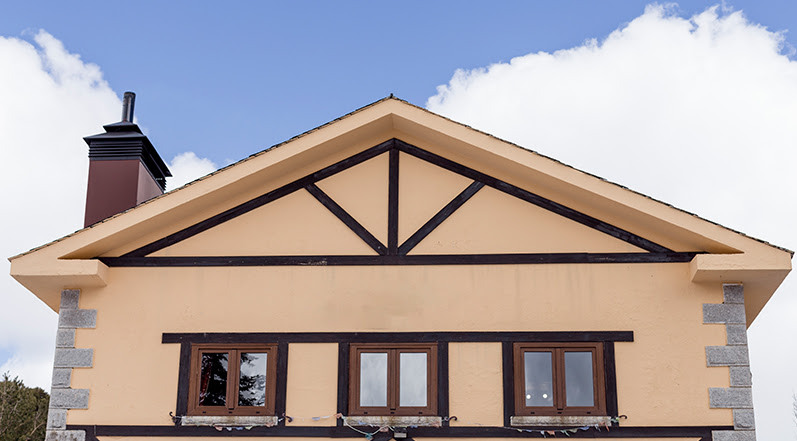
pixel 559 421
pixel 395 421
pixel 229 421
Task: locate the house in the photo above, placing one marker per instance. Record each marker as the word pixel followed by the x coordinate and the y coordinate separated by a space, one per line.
pixel 394 274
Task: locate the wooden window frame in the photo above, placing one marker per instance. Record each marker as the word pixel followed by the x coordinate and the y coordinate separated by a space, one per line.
pixel 559 382
pixel 393 350
pixel 233 371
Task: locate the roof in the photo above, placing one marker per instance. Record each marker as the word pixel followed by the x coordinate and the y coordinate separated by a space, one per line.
pixel 730 256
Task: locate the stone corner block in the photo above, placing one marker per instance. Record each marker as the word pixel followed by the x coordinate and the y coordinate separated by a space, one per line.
pixel 65 435
pixel 56 419
pixel 722 313
pixel 736 334
pixel 69 399
pixel 62 377
pixel 65 338
pixel 743 419
pixel 69 358
pixel 741 376
pixel 733 293
pixel 730 398
pixel 69 298
pixel 77 318
pixel 733 435
pixel 727 356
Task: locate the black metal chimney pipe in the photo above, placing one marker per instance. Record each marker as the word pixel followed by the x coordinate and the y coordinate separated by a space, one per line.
pixel 128 106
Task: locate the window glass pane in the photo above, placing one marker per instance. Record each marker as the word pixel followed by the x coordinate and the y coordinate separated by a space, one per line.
pixel 213 379
pixel 373 379
pixel 578 379
pixel 252 382
pixel 412 379
pixel 539 378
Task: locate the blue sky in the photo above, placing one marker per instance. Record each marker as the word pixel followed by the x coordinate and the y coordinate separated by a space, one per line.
pixel 670 102
pixel 227 79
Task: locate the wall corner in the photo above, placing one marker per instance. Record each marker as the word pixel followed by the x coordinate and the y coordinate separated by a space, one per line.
pixel 62 396
pixel 734 355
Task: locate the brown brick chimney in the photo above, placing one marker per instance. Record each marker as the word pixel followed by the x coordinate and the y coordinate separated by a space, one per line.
pixel 124 168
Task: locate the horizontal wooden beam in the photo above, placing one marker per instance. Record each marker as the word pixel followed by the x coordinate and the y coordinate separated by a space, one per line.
pixel 424 259
pixel 396 337
pixel 94 431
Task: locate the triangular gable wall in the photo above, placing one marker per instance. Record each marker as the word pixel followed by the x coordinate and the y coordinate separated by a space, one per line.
pixel 391 238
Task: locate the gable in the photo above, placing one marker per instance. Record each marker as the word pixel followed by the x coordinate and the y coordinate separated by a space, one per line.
pixel 453 212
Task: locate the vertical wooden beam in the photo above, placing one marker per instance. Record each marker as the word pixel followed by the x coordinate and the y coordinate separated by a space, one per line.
pixel 343 381
pixel 507 357
pixel 393 203
pixel 183 379
pixel 442 381
pixel 610 373
pixel 282 381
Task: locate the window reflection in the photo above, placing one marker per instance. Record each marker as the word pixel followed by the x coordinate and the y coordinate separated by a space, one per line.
pixel 412 379
pixel 578 379
pixel 373 379
pixel 252 381
pixel 539 378
pixel 213 379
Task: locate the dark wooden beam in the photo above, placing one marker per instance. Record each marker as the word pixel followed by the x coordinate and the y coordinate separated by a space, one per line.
pixel 397 337
pixel 184 378
pixel 508 380
pixel 393 203
pixel 422 259
pixel 343 379
pixel 610 373
pixel 438 218
pixel 530 197
pixel 347 219
pixel 261 200
pixel 101 430
pixel 281 392
pixel 442 380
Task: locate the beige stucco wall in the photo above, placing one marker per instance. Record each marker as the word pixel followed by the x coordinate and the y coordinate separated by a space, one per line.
pixel 475 384
pixel 313 384
pixel 662 378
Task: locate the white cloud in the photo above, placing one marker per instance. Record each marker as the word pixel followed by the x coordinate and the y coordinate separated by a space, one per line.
pixel 51 99
pixel 698 112
pixel 186 167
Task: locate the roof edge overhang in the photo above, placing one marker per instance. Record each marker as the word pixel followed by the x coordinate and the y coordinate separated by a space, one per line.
pixel 47 278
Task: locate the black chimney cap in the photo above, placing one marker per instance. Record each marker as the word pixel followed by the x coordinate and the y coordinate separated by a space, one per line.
pixel 124 140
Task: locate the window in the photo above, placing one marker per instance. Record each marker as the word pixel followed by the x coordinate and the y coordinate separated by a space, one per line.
pixel 393 379
pixel 559 379
pixel 232 379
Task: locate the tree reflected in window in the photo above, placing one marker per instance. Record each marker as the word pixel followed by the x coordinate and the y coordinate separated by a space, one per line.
pixel 213 380
pixel 252 381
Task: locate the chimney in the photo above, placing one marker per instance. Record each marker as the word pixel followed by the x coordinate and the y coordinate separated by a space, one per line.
pixel 124 168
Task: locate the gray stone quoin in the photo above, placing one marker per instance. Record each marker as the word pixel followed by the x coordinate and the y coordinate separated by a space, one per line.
pixel 734 355
pixel 67 357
